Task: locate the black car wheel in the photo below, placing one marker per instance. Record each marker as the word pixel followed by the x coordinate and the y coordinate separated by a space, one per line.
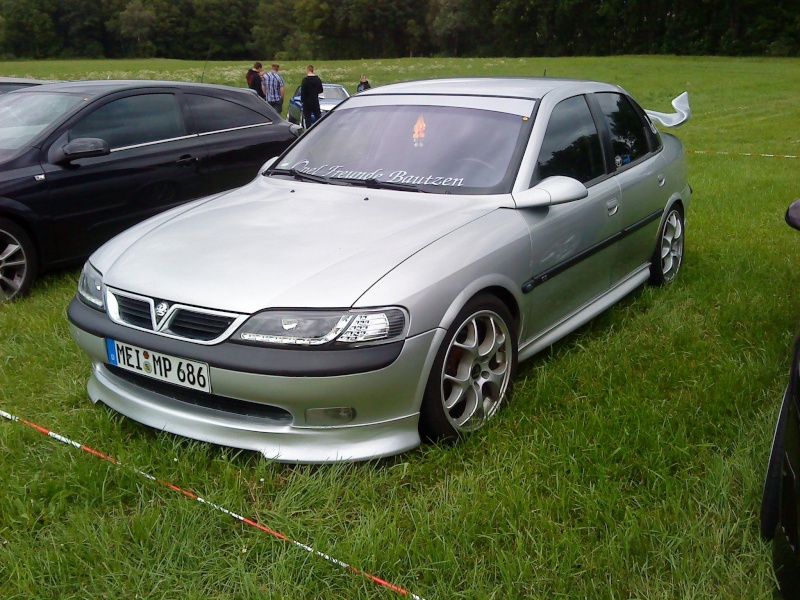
pixel 668 254
pixel 473 371
pixel 17 261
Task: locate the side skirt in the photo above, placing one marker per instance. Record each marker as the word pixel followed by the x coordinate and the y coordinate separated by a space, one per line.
pixel 585 313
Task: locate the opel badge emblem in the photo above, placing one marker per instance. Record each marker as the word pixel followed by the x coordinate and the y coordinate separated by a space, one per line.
pixel 161 309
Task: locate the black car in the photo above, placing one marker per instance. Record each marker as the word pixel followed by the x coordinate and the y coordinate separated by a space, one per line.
pixel 780 504
pixel 82 161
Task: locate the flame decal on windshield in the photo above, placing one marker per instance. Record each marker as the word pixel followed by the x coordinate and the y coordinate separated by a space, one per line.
pixel 419 131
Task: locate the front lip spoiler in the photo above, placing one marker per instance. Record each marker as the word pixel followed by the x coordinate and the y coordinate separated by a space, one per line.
pixel 240 357
pixel 280 442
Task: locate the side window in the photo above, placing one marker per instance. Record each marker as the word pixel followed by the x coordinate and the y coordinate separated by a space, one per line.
pixel 571 145
pixel 653 137
pixel 216 114
pixel 629 132
pixel 133 120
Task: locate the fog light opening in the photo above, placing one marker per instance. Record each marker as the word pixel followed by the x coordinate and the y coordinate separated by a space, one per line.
pixel 328 417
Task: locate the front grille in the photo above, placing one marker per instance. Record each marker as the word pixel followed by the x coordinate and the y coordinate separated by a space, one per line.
pixel 179 320
pixel 204 399
pixel 198 326
pixel 133 311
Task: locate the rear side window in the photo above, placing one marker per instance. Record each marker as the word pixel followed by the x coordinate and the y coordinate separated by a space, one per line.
pixel 214 114
pixel 133 120
pixel 629 132
pixel 571 145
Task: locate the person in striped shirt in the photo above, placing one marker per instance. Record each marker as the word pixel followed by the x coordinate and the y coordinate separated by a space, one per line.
pixel 275 88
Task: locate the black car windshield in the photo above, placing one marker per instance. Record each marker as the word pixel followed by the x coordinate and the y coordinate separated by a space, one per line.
pixel 23 115
pixel 439 149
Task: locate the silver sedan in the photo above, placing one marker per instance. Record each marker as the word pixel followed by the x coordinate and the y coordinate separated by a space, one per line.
pixel 378 283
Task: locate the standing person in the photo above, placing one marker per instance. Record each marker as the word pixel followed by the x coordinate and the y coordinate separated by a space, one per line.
pixel 310 89
pixel 363 85
pixel 254 80
pixel 275 88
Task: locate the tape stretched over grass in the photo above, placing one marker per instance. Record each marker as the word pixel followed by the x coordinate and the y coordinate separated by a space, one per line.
pixel 743 154
pixel 193 496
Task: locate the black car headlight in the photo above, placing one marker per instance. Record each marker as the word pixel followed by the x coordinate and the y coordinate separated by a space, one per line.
pixel 90 287
pixel 318 327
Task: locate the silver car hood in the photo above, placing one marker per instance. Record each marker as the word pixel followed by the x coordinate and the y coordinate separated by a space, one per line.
pixel 278 243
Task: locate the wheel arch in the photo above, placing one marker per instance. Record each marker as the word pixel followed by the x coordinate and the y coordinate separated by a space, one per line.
pixel 496 289
pixel 25 219
pixel 675 201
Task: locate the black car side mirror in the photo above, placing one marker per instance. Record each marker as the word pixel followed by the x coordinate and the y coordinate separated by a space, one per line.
pixel 84 148
pixel 793 214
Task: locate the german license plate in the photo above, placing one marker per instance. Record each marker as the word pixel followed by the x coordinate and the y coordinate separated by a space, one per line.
pixel 164 367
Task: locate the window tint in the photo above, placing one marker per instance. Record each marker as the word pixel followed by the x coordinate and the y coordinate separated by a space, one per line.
pixel 629 135
pixel 215 114
pixel 133 120
pixel 444 149
pixel 571 145
pixel 653 137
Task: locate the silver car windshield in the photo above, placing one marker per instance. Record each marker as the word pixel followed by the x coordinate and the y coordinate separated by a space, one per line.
pixel 333 92
pixel 440 149
pixel 24 115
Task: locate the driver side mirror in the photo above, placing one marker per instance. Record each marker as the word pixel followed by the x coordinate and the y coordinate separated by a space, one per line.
pixel 553 190
pixel 84 148
pixel 793 215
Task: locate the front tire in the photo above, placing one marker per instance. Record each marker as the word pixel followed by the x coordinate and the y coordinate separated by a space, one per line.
pixel 17 261
pixel 668 254
pixel 473 371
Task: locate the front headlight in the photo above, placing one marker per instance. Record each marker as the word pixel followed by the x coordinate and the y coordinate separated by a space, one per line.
pixel 90 287
pixel 314 328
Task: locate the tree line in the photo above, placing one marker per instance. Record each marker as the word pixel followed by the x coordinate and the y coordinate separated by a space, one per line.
pixel 352 29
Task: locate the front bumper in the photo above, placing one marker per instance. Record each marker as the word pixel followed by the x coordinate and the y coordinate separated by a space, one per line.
pixel 386 399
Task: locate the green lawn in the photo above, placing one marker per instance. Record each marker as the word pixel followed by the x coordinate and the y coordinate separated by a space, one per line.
pixel 629 464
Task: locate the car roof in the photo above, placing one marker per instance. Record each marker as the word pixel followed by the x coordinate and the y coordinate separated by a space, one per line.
pixel 93 88
pixel 507 87
pixel 21 80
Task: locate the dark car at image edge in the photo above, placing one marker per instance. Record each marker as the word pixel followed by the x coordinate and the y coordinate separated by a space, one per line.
pixel 780 504
pixel 82 161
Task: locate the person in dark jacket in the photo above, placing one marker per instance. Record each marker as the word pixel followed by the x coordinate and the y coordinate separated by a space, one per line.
pixel 255 80
pixel 310 89
pixel 363 85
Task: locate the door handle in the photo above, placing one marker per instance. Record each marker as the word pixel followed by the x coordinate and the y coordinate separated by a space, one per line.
pixel 661 180
pixel 185 161
pixel 613 206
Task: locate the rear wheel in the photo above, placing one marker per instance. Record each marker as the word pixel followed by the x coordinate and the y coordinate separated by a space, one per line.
pixel 473 371
pixel 668 254
pixel 17 261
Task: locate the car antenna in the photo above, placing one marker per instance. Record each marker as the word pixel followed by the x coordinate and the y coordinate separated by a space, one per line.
pixel 203 74
pixel 545 73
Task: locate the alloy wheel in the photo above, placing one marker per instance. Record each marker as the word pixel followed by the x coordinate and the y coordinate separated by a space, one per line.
pixel 477 371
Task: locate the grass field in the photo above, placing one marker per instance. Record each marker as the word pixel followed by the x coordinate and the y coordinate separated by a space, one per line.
pixel 629 464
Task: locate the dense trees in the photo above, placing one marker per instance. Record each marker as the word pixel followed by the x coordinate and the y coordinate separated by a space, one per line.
pixel 329 29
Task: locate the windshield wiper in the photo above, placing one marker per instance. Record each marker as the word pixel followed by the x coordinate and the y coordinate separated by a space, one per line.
pixel 300 176
pixel 377 184
pixel 373 183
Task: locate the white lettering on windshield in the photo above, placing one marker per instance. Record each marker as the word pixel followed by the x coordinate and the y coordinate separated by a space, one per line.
pixel 339 172
pixel 404 177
